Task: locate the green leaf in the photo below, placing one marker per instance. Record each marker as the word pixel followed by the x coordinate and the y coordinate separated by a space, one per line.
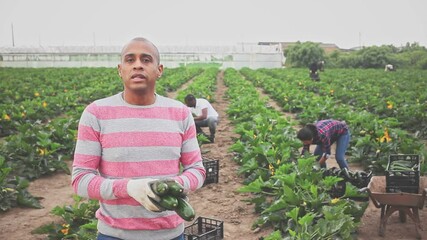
pixel 288 179
pixel 277 205
pixel 25 199
pixel 276 235
pixel 254 187
pixel 291 197
pixel 293 213
pixel 306 220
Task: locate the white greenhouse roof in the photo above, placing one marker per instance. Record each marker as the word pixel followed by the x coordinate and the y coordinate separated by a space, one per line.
pixel 238 48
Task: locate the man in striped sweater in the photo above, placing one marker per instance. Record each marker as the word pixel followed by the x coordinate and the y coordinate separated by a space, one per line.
pixel 130 139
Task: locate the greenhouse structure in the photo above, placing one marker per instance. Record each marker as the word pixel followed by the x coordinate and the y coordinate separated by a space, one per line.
pixel 238 56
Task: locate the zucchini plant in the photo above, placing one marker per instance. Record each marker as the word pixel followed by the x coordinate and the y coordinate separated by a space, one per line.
pixel 282 183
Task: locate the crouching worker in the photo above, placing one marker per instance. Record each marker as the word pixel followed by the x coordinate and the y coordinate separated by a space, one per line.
pixel 204 115
pixel 129 140
pixel 324 133
pixel 389 68
pixel 314 71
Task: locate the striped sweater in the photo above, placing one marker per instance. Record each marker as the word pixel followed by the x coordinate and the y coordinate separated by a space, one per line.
pixel 116 142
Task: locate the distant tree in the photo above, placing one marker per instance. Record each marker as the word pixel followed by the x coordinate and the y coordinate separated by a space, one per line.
pixel 413 59
pixel 423 63
pixel 367 57
pixel 333 59
pixel 349 61
pixel 410 47
pixel 412 55
pixel 374 57
pixel 303 54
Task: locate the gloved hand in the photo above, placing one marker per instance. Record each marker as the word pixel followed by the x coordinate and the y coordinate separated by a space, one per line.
pixel 140 190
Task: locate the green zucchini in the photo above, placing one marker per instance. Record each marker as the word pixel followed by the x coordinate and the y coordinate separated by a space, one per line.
pixel 168 202
pixel 185 210
pixel 175 189
pixel 160 188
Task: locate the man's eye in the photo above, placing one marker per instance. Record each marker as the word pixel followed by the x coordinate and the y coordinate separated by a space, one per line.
pixel 129 60
pixel 146 60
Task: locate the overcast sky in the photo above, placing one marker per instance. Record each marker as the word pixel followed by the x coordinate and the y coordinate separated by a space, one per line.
pixel 346 23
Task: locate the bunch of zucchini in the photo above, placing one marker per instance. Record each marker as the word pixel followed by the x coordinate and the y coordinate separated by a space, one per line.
pixel 173 198
pixel 359 179
pixel 403 166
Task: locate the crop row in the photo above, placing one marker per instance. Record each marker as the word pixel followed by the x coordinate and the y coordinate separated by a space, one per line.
pixel 288 193
pixel 374 137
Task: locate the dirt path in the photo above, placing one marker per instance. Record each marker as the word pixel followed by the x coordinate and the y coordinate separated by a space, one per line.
pixel 218 201
pixel 18 223
pixel 221 201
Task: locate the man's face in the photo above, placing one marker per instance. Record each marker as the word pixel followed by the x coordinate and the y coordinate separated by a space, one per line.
pixel 139 67
pixel 190 103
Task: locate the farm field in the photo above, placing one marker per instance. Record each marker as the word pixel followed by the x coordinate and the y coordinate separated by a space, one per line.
pixel 378 118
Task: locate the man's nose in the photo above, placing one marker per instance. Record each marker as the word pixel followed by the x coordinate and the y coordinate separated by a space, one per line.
pixel 138 64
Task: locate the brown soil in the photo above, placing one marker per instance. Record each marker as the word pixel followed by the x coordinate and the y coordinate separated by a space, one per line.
pixel 219 201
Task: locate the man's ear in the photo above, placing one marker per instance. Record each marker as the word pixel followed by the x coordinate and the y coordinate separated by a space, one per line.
pixel 160 69
pixel 119 67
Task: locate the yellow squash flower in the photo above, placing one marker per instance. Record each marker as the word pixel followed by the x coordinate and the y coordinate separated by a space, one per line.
pixel 6 117
pixel 386 137
pixel 271 168
pixel 65 229
pixel 42 151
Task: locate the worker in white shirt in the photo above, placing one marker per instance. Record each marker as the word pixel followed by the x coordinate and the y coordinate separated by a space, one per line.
pixel 204 115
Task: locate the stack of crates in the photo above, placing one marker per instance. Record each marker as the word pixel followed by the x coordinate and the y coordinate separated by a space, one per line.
pixel 403 173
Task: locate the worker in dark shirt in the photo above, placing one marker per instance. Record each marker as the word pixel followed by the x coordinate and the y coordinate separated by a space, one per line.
pixel 324 133
pixel 314 71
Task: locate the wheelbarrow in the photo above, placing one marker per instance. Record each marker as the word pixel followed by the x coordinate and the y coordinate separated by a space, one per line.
pixel 406 203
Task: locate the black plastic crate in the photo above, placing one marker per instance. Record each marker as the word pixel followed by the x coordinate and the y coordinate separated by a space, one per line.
pixel 338 190
pixel 212 171
pixel 403 181
pixel 204 229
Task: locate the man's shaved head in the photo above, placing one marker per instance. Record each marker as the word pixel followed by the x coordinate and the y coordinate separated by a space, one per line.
pixel 141 39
